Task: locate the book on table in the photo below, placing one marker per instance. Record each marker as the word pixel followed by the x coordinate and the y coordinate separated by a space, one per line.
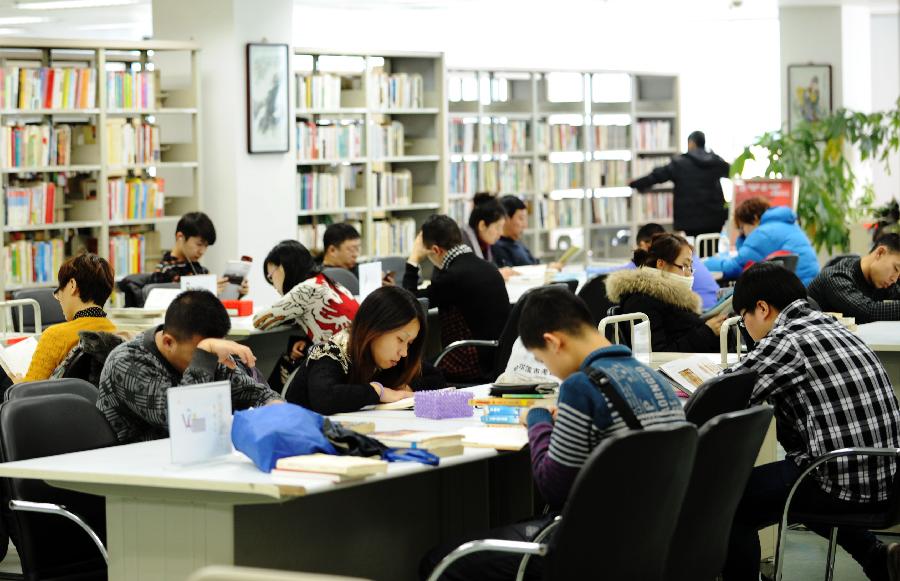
pixel 441 444
pixel 689 373
pixel 407 403
pixel 16 358
pixel 345 466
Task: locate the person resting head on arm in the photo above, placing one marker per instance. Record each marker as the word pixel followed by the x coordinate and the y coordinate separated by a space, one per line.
pixel 486 224
pixel 378 359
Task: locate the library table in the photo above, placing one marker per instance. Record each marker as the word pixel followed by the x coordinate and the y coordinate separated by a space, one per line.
pixel 883 337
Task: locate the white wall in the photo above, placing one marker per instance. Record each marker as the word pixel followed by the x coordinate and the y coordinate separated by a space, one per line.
pixel 811 35
pixel 885 50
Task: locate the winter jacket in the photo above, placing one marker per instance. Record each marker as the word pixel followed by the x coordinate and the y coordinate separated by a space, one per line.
pixel 777 230
pixel 675 324
pixel 699 202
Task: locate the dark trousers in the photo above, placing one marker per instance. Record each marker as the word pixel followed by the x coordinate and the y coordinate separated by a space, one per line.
pixel 489 566
pixel 762 506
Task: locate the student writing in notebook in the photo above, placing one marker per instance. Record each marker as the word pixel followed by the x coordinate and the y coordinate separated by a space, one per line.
pixel 194 234
pixel 378 359
pixel 85 283
pixel 557 327
pixel 189 348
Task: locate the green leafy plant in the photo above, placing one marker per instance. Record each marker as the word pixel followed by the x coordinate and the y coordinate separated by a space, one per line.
pixel 818 153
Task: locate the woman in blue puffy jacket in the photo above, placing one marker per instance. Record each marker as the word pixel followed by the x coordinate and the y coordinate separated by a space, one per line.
pixel 764 230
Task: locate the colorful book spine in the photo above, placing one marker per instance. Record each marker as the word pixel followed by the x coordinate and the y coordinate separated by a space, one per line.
pixel 63 88
pixel 131 89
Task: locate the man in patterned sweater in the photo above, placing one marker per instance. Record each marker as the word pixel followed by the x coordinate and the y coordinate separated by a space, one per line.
pixel 864 288
pixel 829 391
pixel 557 328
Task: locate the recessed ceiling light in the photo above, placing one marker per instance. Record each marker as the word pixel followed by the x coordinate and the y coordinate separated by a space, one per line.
pixel 22 20
pixel 110 26
pixel 6 31
pixel 65 4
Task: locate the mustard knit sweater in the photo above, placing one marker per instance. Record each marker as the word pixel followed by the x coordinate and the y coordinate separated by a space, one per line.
pixel 56 342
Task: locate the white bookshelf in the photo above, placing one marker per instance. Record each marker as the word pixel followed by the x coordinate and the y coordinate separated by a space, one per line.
pixel 422 159
pixel 586 101
pixel 81 217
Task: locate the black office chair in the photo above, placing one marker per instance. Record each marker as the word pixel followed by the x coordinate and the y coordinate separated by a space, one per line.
pixel 132 287
pixel 720 395
pixel 51 547
pixel 343 277
pixel 395 264
pixel 70 386
pixel 593 293
pixel 597 531
pixel 51 310
pixel 786 259
pixel 727 448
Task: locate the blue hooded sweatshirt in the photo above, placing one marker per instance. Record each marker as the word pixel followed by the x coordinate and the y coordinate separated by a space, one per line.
pixel 777 230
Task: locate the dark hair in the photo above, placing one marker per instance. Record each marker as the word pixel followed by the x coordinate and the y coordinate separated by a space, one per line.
pixel 645 233
pixel 196 313
pixel 889 241
pixel 197 224
pixel 93 275
pixel 769 282
pixel 442 231
pixel 665 246
pixel 384 310
pixel 336 234
pixel 486 209
pixel 552 308
pixel 750 211
pixel 512 204
pixel 295 259
pixel 699 139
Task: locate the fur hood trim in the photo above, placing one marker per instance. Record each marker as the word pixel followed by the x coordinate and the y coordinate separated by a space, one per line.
pixel 652 282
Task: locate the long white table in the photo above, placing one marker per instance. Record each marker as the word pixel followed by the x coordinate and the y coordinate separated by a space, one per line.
pixel 165 521
pixel 883 337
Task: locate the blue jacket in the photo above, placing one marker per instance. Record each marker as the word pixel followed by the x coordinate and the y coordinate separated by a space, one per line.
pixel 777 230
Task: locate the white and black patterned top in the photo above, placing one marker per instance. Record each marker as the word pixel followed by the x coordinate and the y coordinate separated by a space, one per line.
pixel 843 288
pixel 829 391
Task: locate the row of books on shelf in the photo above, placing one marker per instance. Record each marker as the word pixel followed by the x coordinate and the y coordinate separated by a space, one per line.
pixel 35 145
pixel 559 213
pixel 654 206
pixel 310 235
pixel 644 165
pixel 607 173
pixel 610 137
pixel 463 177
pixel 387 140
pixel 127 253
pixel 131 89
pixel 47 88
pixel 31 203
pixel 654 135
pixel 329 141
pixel 136 198
pixel 320 190
pixel 393 237
pixel 397 91
pixel 463 136
pixel 609 211
pixel 318 91
pixel 131 142
pixel 459 210
pixel 558 137
pixel 33 261
pixel 392 188
pixel 497 138
pixel 510 176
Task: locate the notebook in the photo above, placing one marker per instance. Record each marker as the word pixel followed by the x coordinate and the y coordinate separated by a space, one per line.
pixel 418 439
pixel 16 358
pixel 689 373
pixel 406 403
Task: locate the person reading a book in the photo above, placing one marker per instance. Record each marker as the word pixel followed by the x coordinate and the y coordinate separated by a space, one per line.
pixel 557 328
pixel 468 292
pixel 661 288
pixel 864 288
pixel 189 348
pixel 763 231
pixel 829 391
pixel 85 282
pixel 342 244
pixel 312 302
pixel 194 234
pixel 378 359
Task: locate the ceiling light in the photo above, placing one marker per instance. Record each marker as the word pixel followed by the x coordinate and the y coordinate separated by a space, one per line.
pixel 65 4
pixel 4 21
pixel 6 31
pixel 111 26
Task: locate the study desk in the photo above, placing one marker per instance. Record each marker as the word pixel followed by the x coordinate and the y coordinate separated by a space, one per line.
pixel 165 521
pixel 883 337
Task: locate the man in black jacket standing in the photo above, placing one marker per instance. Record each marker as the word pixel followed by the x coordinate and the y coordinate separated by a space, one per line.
pixel 699 203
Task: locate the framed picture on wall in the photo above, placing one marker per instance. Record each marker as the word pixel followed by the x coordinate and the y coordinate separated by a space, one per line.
pixel 268 125
pixel 809 93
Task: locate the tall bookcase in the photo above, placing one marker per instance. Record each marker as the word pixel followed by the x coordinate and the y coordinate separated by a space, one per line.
pixel 130 112
pixel 370 143
pixel 567 143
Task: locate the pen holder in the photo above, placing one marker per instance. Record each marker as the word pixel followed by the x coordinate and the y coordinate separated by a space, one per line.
pixel 443 403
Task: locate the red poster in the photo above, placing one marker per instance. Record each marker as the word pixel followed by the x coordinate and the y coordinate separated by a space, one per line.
pixel 778 192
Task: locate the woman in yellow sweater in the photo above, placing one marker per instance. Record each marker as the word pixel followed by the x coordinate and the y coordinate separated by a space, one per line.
pixel 85 283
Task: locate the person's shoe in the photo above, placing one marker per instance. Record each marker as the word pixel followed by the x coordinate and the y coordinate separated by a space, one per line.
pixel 893 561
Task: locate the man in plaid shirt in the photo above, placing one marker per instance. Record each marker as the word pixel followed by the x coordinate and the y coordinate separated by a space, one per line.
pixel 188 349
pixel 829 391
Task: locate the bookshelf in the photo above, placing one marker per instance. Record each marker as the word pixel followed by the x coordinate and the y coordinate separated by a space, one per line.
pixel 567 143
pixel 370 144
pixel 121 123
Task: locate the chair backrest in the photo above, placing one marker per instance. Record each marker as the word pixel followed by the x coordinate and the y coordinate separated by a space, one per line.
pixel 395 264
pixel 35 427
pixel 785 259
pixel 145 290
pixel 707 244
pixel 727 325
pixel 66 386
pixel 722 394
pixel 51 310
pixel 727 448
pixel 615 321
pixel 131 287
pixel 593 293
pixel 222 573
pixel 12 315
pixel 343 277
pixel 634 480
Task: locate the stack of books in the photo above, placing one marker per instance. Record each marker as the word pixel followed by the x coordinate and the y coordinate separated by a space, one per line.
pixel 441 444
pixel 334 468
pixel 503 411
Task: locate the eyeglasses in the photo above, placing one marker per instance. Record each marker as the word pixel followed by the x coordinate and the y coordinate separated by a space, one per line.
pixel 685 268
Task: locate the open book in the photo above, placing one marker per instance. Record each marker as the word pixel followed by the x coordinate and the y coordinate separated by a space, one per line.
pixel 235 271
pixel 407 403
pixel 689 373
pixel 723 306
pixel 16 358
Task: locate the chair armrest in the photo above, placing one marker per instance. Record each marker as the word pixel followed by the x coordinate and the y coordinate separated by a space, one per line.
pixel 47 508
pixel 495 545
pixel 545 532
pixel 466 343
